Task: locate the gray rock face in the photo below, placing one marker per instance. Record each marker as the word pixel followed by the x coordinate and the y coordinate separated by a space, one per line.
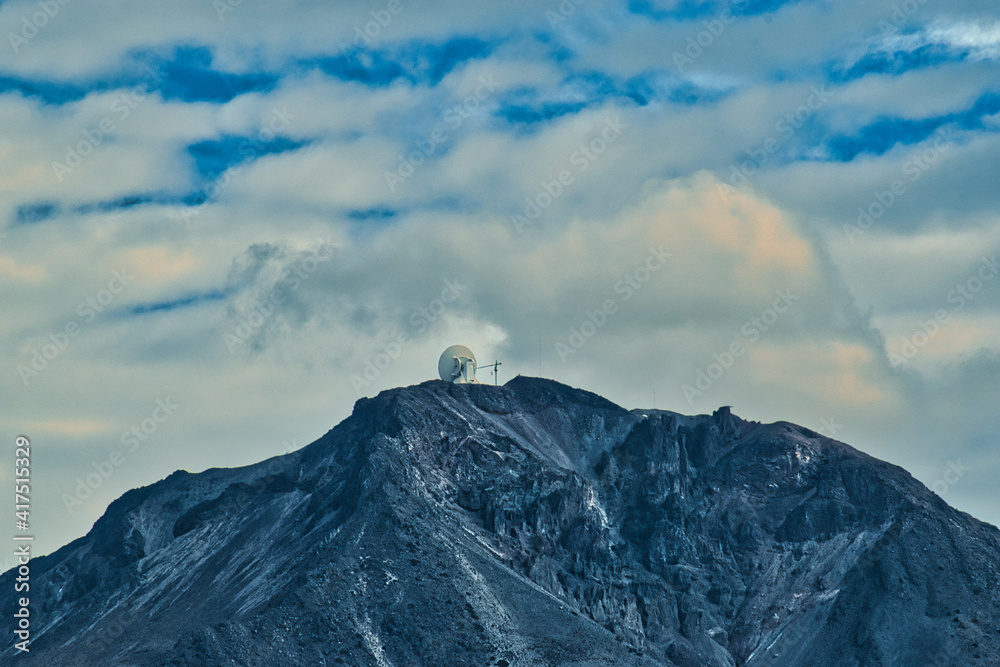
pixel 530 524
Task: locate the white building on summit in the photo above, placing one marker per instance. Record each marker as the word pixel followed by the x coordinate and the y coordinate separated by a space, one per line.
pixel 458 365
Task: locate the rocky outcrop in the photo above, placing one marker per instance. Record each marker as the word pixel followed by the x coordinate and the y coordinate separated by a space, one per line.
pixel 530 524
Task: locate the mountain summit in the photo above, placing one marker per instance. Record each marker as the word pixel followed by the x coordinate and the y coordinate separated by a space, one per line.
pixel 528 524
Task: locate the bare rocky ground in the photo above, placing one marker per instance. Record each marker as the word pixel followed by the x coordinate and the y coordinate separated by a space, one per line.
pixel 529 524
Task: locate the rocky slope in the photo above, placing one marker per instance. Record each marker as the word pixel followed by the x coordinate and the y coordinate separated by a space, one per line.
pixel 529 524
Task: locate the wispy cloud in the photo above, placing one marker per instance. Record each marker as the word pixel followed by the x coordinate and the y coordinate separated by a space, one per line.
pixel 941 43
pixel 207 157
pixel 580 91
pixel 417 62
pixel 883 133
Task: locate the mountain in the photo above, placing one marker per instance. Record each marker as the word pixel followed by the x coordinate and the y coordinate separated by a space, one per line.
pixel 529 524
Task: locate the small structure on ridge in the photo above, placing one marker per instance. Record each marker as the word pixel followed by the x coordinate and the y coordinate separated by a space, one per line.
pixel 458 365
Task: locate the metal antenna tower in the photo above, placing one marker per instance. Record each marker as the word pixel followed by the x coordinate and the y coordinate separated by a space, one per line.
pixel 495 365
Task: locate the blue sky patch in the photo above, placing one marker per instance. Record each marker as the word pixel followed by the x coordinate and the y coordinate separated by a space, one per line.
pixel 527 114
pixel 897 62
pixel 377 213
pixel 214 156
pixel 29 214
pixel 186 301
pixel 415 62
pixel 189 76
pixel 581 91
pixel 882 134
pixel 49 92
pixel 118 204
pixel 186 75
pixel 689 10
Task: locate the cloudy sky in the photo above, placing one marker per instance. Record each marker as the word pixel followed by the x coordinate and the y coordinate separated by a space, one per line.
pixel 223 222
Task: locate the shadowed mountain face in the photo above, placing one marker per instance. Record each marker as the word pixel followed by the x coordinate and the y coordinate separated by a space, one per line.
pixel 529 524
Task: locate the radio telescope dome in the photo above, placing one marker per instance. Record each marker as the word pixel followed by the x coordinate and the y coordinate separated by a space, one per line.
pixel 458 365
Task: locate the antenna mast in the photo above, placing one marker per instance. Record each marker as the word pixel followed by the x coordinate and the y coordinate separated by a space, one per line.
pixel 495 365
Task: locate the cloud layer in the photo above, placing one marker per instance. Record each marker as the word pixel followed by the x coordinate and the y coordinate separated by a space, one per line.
pixel 253 214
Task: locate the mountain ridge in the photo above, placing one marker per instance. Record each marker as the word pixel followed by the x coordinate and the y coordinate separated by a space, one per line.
pixel 532 523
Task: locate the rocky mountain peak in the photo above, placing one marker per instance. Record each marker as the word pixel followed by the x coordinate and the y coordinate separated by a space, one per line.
pixel 529 524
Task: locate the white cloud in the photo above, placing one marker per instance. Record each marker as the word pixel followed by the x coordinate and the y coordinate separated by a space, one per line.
pixel 982 41
pixel 731 251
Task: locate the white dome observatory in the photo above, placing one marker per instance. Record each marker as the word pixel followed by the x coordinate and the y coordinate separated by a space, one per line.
pixel 458 365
